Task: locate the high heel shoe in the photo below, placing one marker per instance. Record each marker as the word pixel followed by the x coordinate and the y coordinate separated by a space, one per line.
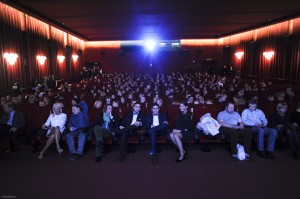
pixel 41 156
pixel 60 151
pixel 180 159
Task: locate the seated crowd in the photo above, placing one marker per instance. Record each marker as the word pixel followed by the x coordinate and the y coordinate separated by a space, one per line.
pixel 120 106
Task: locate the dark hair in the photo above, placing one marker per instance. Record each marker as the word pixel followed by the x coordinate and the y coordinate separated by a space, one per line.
pixel 77 105
pixel 105 107
pixel 136 102
pixel 155 104
pixel 10 105
pixel 229 102
pixel 252 102
pixel 184 103
pixel 76 100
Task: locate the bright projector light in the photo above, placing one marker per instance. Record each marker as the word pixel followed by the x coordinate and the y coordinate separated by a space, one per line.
pixel 150 44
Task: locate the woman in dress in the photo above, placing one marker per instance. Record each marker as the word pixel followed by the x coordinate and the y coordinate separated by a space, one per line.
pixel 184 130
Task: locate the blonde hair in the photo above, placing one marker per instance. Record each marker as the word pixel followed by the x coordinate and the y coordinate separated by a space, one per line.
pixel 57 105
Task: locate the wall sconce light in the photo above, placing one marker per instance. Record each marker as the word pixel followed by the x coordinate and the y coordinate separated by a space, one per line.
pixel 74 57
pixel 239 55
pixel 11 58
pixel 268 55
pixel 60 58
pixel 41 59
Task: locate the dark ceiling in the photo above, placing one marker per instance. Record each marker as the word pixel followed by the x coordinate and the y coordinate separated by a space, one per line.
pixel 162 19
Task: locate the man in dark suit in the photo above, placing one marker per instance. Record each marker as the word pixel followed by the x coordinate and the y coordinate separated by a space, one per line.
pixel 11 123
pixel 130 124
pixel 156 124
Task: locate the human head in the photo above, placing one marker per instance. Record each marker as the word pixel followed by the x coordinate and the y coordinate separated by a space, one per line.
pixel 107 108
pixel 252 105
pixel 8 107
pixel 97 104
pixel 229 107
pixel 155 108
pixel 137 107
pixel 57 108
pixel 183 107
pixel 282 107
pixel 75 109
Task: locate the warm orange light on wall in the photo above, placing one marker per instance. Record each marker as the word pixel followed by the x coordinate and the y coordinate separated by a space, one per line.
pixel 239 54
pixel 74 57
pixel 41 59
pixel 60 58
pixel 11 58
pixel 268 54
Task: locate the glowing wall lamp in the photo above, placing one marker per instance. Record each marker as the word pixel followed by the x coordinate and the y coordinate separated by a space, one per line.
pixel 41 59
pixel 60 58
pixel 268 55
pixel 11 58
pixel 74 57
pixel 239 55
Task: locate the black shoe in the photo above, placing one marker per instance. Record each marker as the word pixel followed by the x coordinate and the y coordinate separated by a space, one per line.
pixel 180 159
pixel 159 150
pixel 262 154
pixel 247 157
pixel 122 156
pixel 98 159
pixel 154 159
pixel 72 158
pixel 235 157
pixel 270 155
pixel 77 156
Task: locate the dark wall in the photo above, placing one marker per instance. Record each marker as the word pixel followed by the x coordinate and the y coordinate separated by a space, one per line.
pixel 114 60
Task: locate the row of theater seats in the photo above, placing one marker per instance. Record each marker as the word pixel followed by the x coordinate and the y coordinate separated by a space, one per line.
pixel 36 116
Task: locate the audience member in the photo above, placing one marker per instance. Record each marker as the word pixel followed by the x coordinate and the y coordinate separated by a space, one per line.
pixel 53 128
pixel 256 120
pixel 184 130
pixel 11 124
pixel 132 122
pixel 77 127
pixel 281 121
pixel 105 125
pixel 233 127
pixel 156 124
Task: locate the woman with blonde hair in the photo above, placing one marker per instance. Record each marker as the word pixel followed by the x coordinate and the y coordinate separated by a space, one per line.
pixel 282 122
pixel 54 127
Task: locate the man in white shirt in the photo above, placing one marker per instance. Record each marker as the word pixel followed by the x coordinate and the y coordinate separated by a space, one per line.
pixel 156 124
pixel 130 124
pixel 256 120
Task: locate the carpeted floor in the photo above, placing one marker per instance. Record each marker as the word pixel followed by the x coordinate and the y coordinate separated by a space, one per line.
pixel 201 175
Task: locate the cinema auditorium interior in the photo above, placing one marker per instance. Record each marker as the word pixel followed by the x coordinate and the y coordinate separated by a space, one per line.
pixel 150 99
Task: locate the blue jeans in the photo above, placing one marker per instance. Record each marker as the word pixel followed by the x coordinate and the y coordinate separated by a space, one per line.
pixel 81 140
pixel 261 132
